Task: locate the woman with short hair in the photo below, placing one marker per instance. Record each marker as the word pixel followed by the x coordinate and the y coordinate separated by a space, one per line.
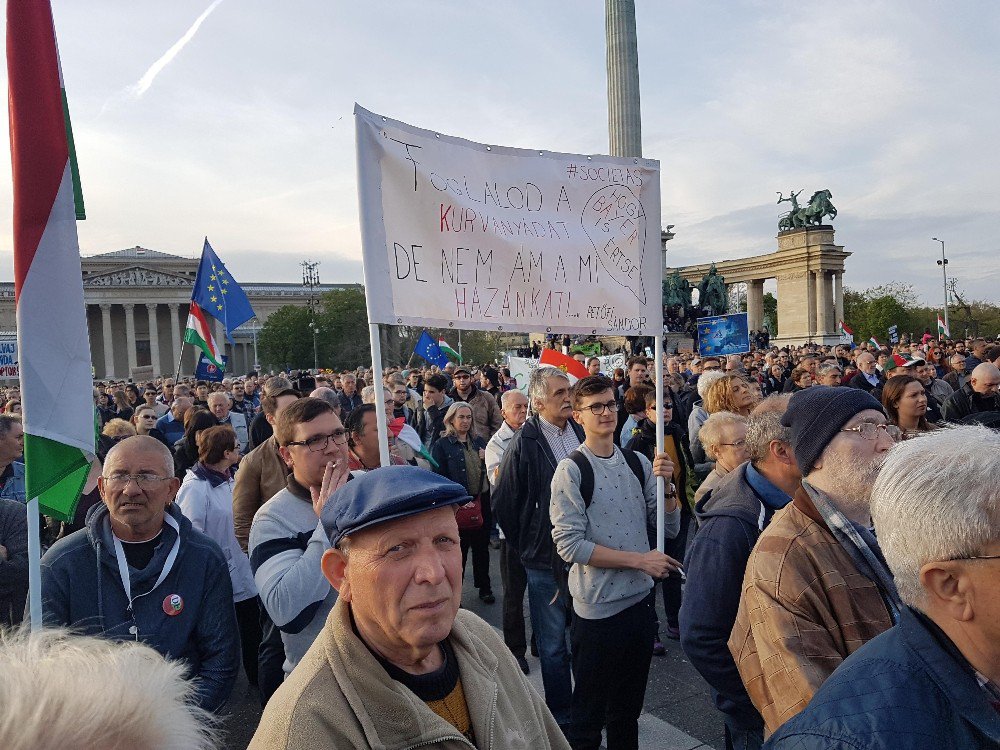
pixel 461 457
pixel 724 436
pixel 206 498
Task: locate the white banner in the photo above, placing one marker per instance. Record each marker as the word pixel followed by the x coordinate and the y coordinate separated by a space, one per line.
pixel 522 367
pixel 9 365
pixel 457 234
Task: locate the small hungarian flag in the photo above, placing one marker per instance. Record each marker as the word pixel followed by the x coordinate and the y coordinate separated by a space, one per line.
pixel 943 328
pixel 443 346
pixel 574 370
pixel 53 345
pixel 875 342
pixel 845 330
pixel 199 333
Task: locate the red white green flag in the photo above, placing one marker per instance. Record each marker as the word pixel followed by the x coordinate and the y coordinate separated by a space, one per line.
pixel 53 344
pixel 199 333
pixel 448 351
pixel 574 369
pixel 943 328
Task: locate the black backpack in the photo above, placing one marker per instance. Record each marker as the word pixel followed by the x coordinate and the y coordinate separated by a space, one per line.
pixel 587 472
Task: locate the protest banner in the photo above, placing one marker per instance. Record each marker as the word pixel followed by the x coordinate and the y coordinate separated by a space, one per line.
pixel 9 367
pixel 723 334
pixel 522 367
pixel 208 370
pixel 457 234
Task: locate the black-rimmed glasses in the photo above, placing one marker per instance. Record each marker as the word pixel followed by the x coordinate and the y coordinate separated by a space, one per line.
pixel 320 442
pixel 599 409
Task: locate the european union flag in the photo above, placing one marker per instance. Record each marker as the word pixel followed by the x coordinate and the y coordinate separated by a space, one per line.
pixel 218 294
pixel 428 348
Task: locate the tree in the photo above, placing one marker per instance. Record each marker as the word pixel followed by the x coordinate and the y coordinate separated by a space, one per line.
pixel 771 313
pixel 286 340
pixel 343 330
pixel 870 312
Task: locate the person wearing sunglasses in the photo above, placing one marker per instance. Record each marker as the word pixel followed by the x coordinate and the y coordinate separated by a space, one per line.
pixel 816 587
pixel 286 539
pixel 933 681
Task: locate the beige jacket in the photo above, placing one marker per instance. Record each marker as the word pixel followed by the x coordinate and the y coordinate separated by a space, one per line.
pixel 340 697
pixel 262 475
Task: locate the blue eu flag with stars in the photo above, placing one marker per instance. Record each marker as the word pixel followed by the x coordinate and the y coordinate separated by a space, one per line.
pixel 428 348
pixel 217 293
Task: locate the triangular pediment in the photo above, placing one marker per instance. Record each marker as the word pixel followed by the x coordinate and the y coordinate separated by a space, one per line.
pixel 136 276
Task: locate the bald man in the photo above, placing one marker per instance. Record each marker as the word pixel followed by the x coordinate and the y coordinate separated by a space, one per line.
pixel 981 393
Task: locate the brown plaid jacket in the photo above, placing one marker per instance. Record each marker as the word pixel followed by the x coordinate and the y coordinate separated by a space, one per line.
pixel 804 609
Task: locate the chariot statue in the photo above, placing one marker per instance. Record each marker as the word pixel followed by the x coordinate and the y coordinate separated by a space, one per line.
pixel 809 215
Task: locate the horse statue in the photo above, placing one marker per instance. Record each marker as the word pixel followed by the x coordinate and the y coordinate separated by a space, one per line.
pixel 712 297
pixel 677 293
pixel 811 214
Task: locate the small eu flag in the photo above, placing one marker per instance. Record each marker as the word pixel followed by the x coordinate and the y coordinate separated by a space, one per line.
pixel 428 348
pixel 217 293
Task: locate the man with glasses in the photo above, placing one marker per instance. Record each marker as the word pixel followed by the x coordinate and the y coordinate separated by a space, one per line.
pixel 286 539
pixel 933 681
pixel 613 570
pixel 869 377
pixel 149 394
pixel 167 397
pixel 486 417
pixel 816 587
pixel 141 572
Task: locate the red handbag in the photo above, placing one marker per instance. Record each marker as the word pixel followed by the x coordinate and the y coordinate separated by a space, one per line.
pixel 470 515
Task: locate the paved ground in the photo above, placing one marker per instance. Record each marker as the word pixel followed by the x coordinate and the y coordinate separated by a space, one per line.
pixel 678 710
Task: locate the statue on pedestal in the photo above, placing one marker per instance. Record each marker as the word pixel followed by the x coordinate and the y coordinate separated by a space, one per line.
pixel 809 215
pixel 677 307
pixel 712 297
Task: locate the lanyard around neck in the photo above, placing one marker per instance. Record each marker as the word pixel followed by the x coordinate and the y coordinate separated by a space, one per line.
pixel 123 564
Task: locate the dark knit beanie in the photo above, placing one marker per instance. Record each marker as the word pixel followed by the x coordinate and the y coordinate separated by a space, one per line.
pixel 815 416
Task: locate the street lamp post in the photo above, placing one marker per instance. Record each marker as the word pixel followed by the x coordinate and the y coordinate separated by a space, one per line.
pixel 310 279
pixel 944 271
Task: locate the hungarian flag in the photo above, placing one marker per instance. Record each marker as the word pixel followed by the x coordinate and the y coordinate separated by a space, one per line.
pixel 443 346
pixel 574 370
pixel 875 342
pixel 199 333
pixel 53 344
pixel 844 330
pixel 943 328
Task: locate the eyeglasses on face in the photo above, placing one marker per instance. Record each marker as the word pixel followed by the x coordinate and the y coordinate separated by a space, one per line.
pixel 869 430
pixel 320 442
pixel 974 557
pixel 737 444
pixel 599 409
pixel 142 481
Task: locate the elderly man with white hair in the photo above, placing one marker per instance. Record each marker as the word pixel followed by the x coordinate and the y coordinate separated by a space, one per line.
pixel 932 681
pixel 220 404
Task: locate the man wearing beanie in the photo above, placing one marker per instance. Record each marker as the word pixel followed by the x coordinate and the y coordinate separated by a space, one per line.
pixel 397 663
pixel 816 586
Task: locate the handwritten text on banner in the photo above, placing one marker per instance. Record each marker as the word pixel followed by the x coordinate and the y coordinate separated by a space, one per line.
pixel 464 235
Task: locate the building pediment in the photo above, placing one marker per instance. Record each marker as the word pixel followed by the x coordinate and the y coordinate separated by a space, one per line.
pixel 136 276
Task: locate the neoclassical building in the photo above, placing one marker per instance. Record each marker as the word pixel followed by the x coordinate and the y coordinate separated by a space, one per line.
pixel 137 306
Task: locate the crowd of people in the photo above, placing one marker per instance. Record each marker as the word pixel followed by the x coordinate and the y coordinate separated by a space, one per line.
pixel 831 526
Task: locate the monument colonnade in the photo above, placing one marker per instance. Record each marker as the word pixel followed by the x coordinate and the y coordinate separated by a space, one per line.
pixel 809 269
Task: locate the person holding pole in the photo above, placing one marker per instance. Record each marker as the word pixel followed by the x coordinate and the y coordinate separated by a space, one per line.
pixel 599 527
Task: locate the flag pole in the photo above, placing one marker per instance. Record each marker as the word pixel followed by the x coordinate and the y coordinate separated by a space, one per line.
pixel 660 481
pixel 382 418
pixel 180 357
pixel 34 566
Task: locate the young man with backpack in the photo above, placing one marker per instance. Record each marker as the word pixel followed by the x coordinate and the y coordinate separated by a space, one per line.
pixel 600 512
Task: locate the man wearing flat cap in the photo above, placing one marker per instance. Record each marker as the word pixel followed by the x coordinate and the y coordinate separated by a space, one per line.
pixel 816 586
pixel 397 663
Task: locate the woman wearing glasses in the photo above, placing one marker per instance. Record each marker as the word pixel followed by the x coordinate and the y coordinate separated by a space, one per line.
pixel 724 437
pixel 206 499
pixel 460 456
pixel 144 421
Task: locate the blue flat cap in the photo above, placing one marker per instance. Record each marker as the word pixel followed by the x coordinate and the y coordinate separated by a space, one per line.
pixel 386 494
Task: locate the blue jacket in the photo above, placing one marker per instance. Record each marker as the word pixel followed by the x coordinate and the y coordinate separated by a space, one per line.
pixel 907 688
pixel 731 518
pixel 172 429
pixel 82 589
pixel 450 456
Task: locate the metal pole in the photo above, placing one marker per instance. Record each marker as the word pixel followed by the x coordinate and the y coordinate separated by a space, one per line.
pixel 256 359
pixel 382 419
pixel 34 566
pixel 660 482
pixel 944 272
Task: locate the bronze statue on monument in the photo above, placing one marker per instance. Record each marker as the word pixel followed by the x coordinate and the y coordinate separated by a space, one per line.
pixel 811 214
pixel 712 296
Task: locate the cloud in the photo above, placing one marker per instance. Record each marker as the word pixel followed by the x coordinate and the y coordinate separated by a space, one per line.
pixel 143 84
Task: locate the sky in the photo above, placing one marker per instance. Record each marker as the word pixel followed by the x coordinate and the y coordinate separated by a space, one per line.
pixel 232 119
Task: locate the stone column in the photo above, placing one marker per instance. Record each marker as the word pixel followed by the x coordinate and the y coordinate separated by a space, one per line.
pixel 824 304
pixel 109 354
pixel 624 125
pixel 130 335
pixel 755 304
pixel 175 334
pixel 838 296
pixel 154 339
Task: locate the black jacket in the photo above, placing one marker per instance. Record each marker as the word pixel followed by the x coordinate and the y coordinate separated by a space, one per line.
pixel 13 570
pixel 429 422
pixel 966 401
pixel 644 442
pixel 522 493
pixel 860 381
pixel 730 523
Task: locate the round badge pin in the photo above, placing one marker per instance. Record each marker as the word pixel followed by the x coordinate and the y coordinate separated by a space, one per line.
pixel 173 605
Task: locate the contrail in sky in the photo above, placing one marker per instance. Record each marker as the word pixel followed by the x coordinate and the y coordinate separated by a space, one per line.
pixel 142 86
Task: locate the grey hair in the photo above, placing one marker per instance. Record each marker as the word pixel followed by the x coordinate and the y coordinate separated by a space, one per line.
pixel 217 395
pixel 706 379
pixel 449 417
pixel 936 498
pixel 327 394
pixel 144 700
pixel 7 421
pixel 504 400
pixel 146 443
pixel 711 432
pixel 764 426
pixel 538 384
pixel 368 394
pixel 828 367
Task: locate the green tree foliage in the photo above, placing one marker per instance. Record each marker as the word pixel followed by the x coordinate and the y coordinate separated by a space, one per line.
pixel 343 330
pixel 285 339
pixel 771 313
